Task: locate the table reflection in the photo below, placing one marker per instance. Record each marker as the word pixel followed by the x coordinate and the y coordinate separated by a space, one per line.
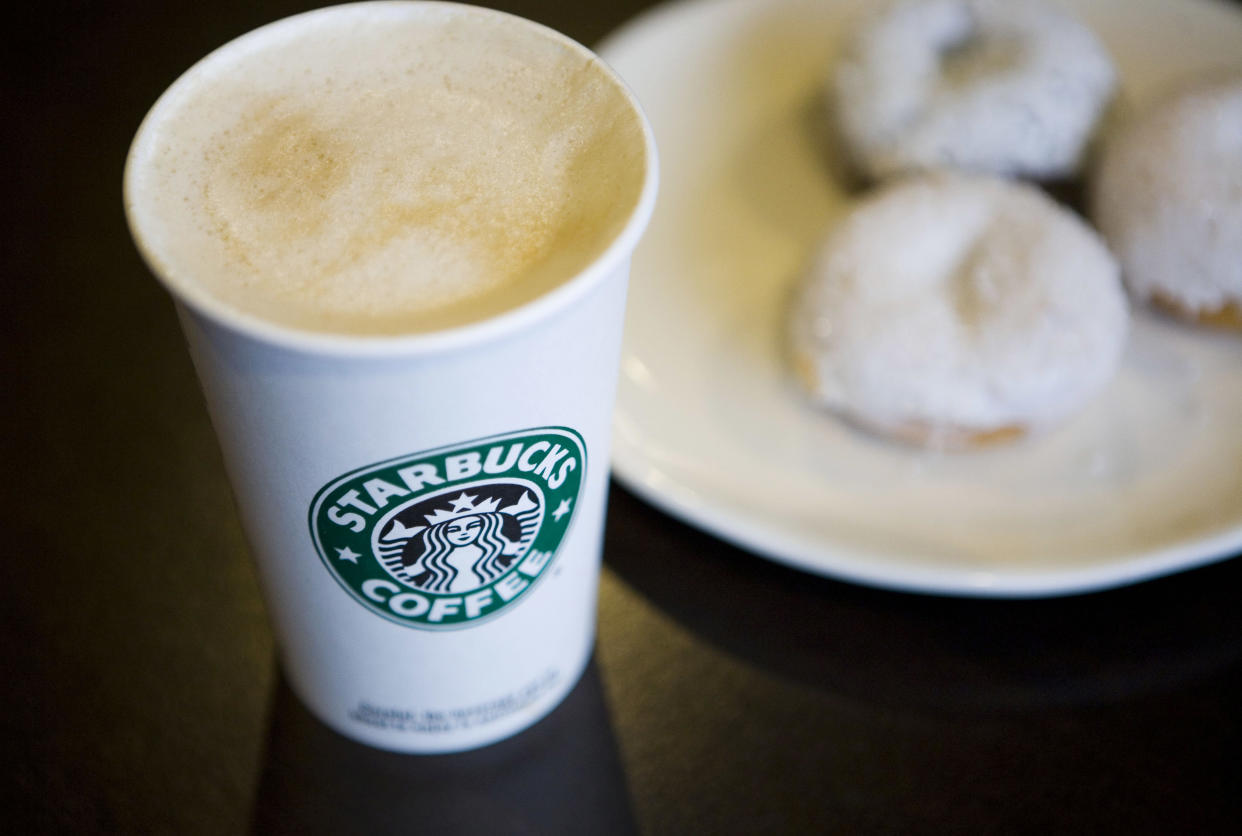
pixel 563 775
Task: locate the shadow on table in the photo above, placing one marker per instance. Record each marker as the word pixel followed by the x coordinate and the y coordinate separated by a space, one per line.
pixel 946 652
pixel 561 776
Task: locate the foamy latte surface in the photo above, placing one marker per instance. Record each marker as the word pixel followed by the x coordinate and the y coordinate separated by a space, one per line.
pixel 386 168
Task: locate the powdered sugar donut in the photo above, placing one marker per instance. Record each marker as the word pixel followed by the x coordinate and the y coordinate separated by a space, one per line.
pixel 992 86
pixel 1168 199
pixel 952 310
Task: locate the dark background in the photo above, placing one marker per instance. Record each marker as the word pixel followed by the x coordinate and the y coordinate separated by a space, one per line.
pixel 728 694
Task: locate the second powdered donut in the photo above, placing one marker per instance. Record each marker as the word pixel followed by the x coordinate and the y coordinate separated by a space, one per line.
pixel 950 310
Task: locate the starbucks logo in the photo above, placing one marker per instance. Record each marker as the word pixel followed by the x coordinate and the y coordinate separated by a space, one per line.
pixel 448 537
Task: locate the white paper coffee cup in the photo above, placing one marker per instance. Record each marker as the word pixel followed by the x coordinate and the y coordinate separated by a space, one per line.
pixel 425 510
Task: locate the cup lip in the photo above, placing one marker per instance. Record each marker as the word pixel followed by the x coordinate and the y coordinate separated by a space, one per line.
pixel 193 296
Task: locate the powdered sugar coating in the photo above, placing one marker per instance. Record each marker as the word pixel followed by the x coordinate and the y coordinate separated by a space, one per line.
pixel 1168 198
pixel 1013 88
pixel 959 305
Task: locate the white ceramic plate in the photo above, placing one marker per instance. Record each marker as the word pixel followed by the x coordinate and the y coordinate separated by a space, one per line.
pixel 709 427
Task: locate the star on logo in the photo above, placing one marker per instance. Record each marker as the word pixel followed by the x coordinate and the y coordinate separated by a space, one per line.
pixel 463 503
pixel 346 553
pixel 561 510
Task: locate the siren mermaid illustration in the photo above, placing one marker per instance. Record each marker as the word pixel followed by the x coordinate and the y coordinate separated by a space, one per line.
pixel 462 547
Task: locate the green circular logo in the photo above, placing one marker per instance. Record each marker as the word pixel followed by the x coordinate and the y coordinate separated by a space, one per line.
pixel 448 537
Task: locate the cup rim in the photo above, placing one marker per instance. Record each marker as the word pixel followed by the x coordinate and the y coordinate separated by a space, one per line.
pixel 185 291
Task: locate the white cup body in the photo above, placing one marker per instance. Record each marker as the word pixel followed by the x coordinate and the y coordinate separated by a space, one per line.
pixel 292 422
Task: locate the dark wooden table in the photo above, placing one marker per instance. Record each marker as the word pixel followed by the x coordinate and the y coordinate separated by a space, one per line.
pixel 727 694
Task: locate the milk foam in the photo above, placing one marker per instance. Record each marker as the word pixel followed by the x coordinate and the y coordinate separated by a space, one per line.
pixel 386 168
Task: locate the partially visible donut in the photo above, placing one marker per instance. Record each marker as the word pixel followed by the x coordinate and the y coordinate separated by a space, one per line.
pixel 1006 87
pixel 951 310
pixel 1168 199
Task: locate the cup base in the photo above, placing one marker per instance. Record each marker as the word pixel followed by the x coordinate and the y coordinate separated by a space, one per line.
pixel 460 736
